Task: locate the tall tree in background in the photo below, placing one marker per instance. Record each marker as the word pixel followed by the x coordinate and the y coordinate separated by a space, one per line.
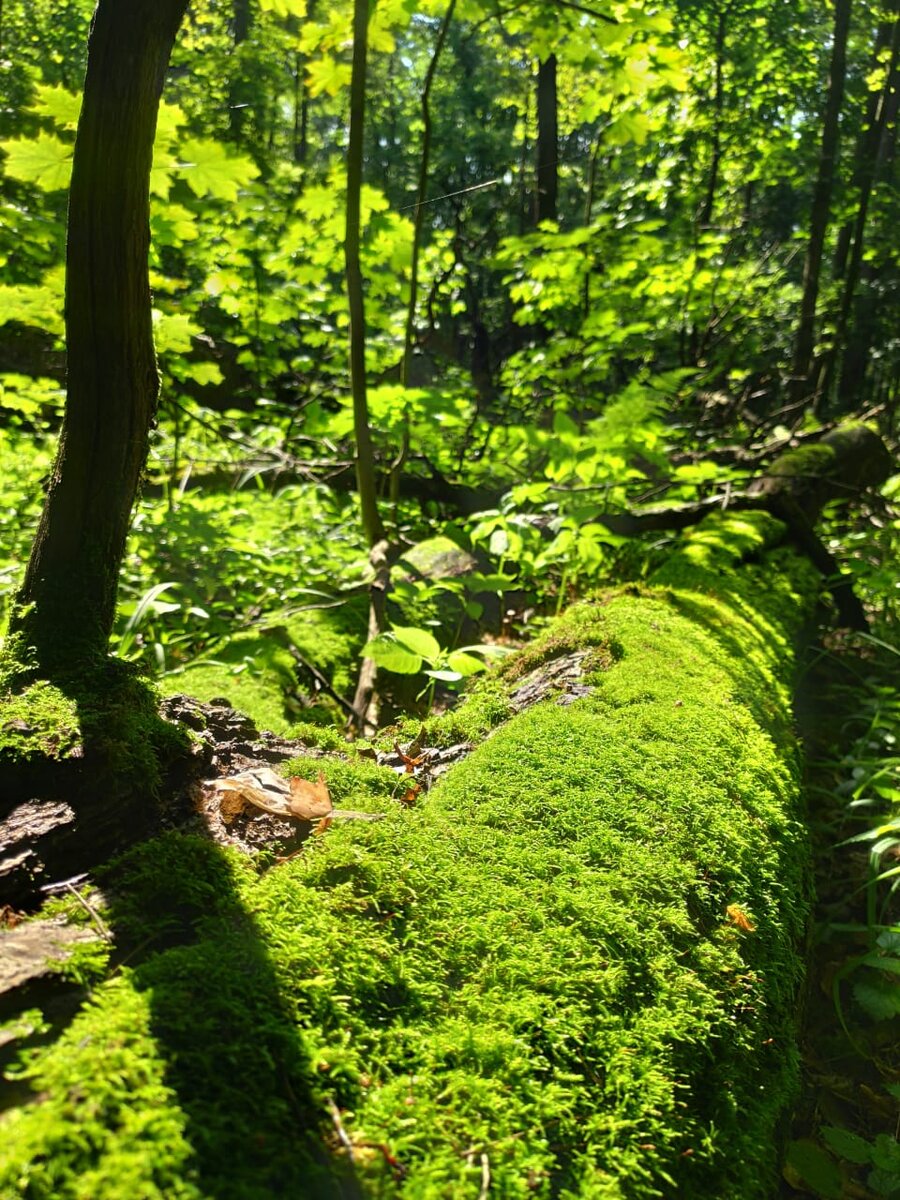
pixel 65 608
pixel 870 159
pixel 365 453
pixel 547 184
pixel 804 344
pixel 238 91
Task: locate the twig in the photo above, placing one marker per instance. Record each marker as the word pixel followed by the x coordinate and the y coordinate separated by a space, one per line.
pixel 102 928
pixel 323 683
pixel 485 1176
pixel 339 1127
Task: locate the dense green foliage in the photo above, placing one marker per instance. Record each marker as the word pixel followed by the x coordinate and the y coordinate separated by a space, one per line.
pixel 573 969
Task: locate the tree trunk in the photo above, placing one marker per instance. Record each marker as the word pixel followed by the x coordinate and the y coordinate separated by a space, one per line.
pixel 64 611
pixel 867 142
pixel 239 88
pixel 821 207
pixel 853 332
pixel 709 202
pixel 547 143
pixel 365 459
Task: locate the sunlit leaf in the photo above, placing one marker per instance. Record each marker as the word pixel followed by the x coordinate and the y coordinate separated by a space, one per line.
pixel 44 160
pixel 210 170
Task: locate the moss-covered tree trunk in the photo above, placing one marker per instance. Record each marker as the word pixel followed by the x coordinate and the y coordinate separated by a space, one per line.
pixel 65 608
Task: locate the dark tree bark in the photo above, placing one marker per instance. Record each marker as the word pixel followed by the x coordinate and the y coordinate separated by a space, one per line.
pixel 64 611
pixel 547 190
pixel 239 89
pixel 853 318
pixel 821 205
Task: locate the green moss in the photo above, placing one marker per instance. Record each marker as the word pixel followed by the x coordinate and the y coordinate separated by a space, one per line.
pixel 353 784
pixel 806 461
pixel 579 627
pixel 536 965
pixel 38 722
pixel 107 716
pixel 484 706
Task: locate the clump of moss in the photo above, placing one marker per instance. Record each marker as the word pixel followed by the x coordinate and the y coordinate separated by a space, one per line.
pixel 39 722
pixel 356 781
pixel 325 737
pixel 482 709
pixel 579 627
pixel 816 461
pixel 105 716
pixel 578 957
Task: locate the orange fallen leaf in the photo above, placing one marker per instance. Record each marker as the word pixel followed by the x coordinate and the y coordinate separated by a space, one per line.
pixel 320 826
pixel 409 762
pixel 411 794
pixel 739 918
pixel 310 801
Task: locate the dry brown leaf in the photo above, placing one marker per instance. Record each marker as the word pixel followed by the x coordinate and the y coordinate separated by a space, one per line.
pixel 410 761
pixel 411 794
pixel 310 801
pixel 739 918
pixel 259 788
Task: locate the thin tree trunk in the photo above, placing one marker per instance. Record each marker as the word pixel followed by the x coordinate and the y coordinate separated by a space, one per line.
pixel 409 335
pixel 364 702
pixel 365 458
pixel 866 177
pixel 301 112
pixel 867 142
pixel 821 206
pixel 421 193
pixel 863 321
pixel 64 611
pixel 709 202
pixel 547 143
pixel 239 91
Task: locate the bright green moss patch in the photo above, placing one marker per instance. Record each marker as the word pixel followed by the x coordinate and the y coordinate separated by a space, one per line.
pixel 38 722
pixel 576 960
pixel 350 784
pixel 106 716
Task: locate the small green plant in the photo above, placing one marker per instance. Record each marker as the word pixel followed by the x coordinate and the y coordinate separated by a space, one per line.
pixel 406 650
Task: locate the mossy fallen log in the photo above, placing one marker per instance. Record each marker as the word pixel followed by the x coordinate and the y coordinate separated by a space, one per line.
pixel 573 970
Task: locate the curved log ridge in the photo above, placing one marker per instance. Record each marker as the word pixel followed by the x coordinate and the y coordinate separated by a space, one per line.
pixel 571 970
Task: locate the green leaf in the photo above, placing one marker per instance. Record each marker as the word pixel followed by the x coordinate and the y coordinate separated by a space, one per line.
pixel 387 652
pixel 61 106
pixel 326 75
pixel 444 675
pixel 44 160
pixel 464 664
pixel 816 1168
pixel 878 997
pixel 419 641
pixel 886 1153
pixel 284 8
pixel 848 1145
pixel 209 170
pixel 173 331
